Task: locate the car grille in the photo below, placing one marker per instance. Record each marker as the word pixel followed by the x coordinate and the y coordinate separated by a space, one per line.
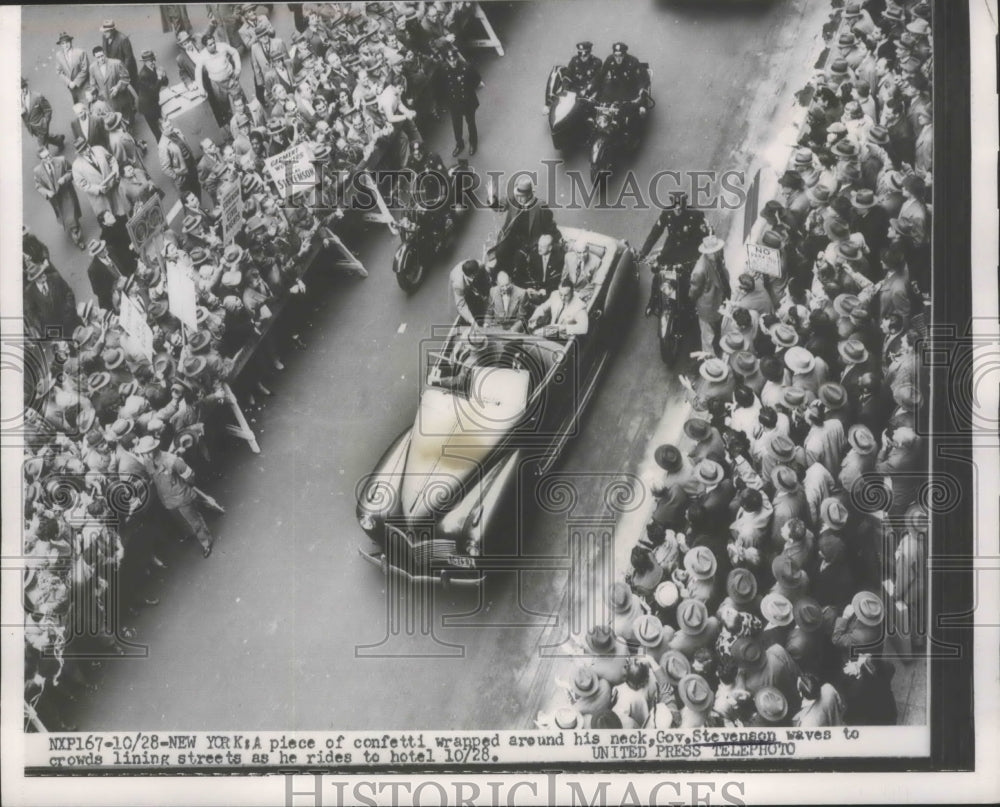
pixel 414 552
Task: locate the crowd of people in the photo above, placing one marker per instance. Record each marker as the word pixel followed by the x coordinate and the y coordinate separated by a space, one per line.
pixel 787 551
pixel 113 432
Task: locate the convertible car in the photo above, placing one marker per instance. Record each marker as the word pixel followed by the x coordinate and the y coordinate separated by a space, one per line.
pixel 497 408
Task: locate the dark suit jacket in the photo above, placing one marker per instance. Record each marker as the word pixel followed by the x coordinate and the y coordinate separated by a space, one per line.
pixel 517 308
pixel 147 88
pixel 457 86
pixel 55 309
pixel 541 221
pixel 118 46
pixel 532 277
pixel 63 196
pixel 38 115
pixel 717 504
pixel 95 133
pixel 102 283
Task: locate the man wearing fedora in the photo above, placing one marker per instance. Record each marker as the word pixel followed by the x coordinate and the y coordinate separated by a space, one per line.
pixel 174 483
pixel 103 273
pixel 695 628
pixel 121 143
pixel 177 160
pixel 36 113
pixel 49 299
pixel 869 220
pixel 72 66
pixel 119 47
pixel 590 694
pixel 150 79
pixel 54 181
pixel 606 654
pixel 709 288
pixel 716 495
pixel 770 667
pixel 708 443
pixel 96 174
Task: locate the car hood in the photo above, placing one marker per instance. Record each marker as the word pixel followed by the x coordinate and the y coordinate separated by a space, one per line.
pixel 454 434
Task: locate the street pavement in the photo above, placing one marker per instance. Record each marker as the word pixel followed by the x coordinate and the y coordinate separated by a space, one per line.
pixel 268 633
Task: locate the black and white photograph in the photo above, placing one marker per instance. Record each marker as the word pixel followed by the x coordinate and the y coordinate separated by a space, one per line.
pixel 546 401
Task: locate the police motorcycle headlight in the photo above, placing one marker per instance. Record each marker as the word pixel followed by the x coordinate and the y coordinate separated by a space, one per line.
pixel 602 121
pixel 367 522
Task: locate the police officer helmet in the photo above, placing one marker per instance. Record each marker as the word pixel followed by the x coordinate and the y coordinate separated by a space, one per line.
pixel 619 48
pixel 584 47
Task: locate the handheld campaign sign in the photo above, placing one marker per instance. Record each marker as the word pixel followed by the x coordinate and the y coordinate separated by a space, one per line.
pixel 763 259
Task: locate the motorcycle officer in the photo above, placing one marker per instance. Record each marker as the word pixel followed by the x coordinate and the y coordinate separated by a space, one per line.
pixel 623 81
pixel 686 228
pixel 421 160
pixel 582 68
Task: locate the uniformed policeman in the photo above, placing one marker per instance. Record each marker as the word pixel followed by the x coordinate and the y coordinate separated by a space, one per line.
pixel 582 68
pixel 421 160
pixel 686 228
pixel 621 76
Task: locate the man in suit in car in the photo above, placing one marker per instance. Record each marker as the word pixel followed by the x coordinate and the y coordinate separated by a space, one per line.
pixel 581 265
pixel 542 274
pixel 562 315
pixel 508 306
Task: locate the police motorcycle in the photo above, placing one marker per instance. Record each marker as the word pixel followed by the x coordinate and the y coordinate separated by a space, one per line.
pixel 567 109
pixel 669 304
pixel 427 228
pixel 616 129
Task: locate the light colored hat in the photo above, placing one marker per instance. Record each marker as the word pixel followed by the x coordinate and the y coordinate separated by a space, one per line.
pixel 709 471
pixel 692 617
pixel 714 370
pixel 700 563
pixel 695 693
pixel 710 245
pixel 777 608
pixel 799 360
pixel 771 704
pixel 868 608
pixel 741 586
pixel 145 445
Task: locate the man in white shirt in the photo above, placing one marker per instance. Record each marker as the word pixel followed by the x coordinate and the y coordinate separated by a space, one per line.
pixel 564 314
pixel 221 63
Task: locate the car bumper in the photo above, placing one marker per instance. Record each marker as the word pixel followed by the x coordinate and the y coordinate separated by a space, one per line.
pixel 443 577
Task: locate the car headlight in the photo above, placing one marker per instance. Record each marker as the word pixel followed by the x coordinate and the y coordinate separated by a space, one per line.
pixel 367 522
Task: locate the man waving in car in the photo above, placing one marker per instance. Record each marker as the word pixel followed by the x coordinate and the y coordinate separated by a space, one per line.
pixel 562 315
